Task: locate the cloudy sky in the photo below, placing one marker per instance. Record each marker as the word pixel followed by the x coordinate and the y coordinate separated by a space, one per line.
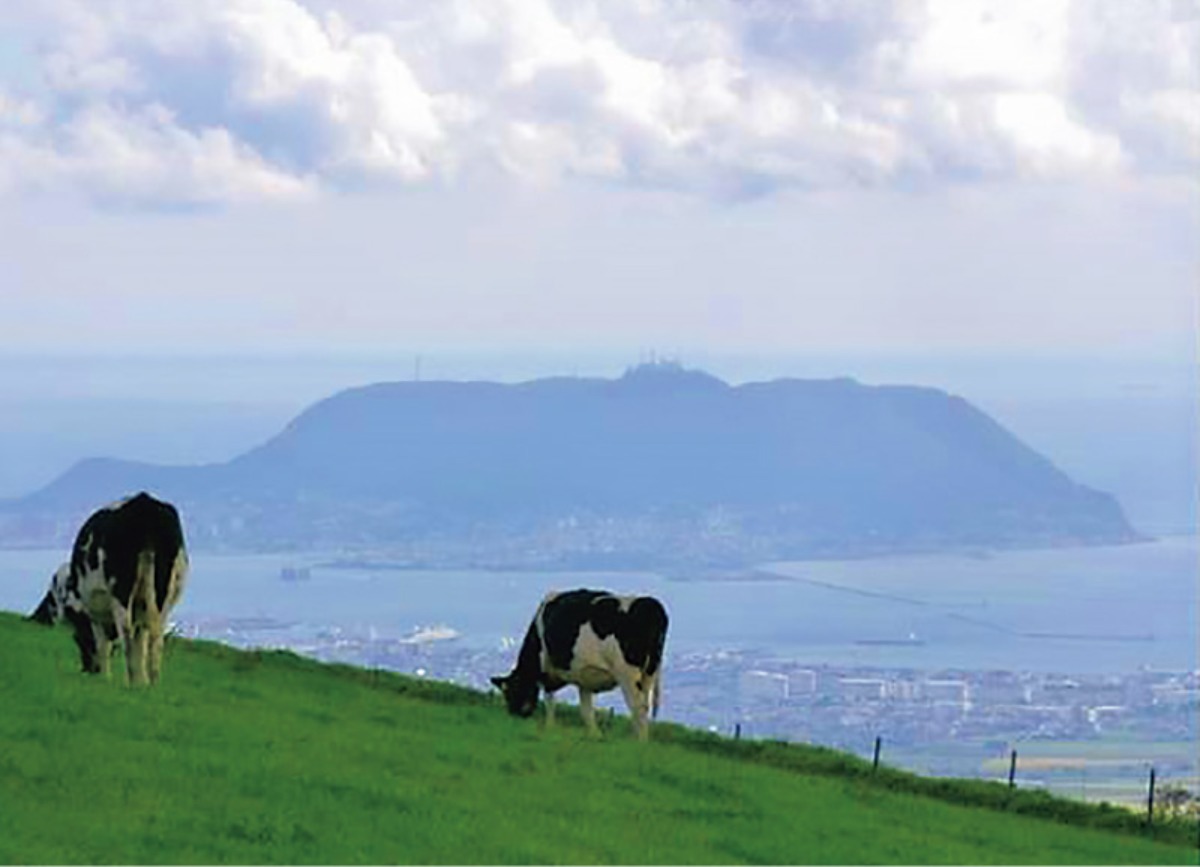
pixel 804 175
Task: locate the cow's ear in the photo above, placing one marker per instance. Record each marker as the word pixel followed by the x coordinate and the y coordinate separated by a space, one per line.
pixel 44 613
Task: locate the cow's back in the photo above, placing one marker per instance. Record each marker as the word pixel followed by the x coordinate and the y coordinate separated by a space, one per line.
pixel 642 632
pixel 559 620
pixel 113 539
pixel 639 624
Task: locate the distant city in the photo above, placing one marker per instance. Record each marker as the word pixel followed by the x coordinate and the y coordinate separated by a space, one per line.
pixel 1091 736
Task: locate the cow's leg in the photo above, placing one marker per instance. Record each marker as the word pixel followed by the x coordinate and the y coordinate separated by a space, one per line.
pixel 103 648
pixel 137 649
pixel 149 632
pixel 132 628
pixel 154 658
pixel 654 688
pixel 587 710
pixel 178 574
pixel 125 630
pixel 549 708
pixel 637 701
pixel 95 652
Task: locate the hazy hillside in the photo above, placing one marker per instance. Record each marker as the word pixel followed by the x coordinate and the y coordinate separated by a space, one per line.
pixel 265 758
pixel 661 465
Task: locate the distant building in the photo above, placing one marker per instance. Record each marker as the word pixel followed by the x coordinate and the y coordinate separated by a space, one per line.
pixel 1106 715
pixel 950 691
pixel 757 685
pixel 802 682
pixel 1056 691
pixel 862 688
pixel 1172 694
pixel 903 690
pixel 1001 687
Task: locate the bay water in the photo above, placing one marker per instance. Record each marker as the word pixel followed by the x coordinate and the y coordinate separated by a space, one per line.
pixel 1114 610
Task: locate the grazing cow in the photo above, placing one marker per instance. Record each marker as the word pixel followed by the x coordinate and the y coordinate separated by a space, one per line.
pixel 597 641
pixel 127 571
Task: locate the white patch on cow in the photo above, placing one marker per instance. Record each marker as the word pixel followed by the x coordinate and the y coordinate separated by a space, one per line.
pixel 595 662
pixel 58 590
pixel 594 679
pixel 93 588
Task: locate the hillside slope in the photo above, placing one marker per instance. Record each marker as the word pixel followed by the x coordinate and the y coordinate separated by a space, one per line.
pixel 267 758
pixel 660 465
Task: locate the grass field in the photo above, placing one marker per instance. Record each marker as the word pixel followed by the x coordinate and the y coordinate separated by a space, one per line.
pixel 253 757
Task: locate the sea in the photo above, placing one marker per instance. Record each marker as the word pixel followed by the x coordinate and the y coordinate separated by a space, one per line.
pixel 1095 610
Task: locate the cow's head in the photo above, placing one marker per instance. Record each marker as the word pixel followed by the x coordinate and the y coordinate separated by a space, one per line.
pixel 52 608
pixel 520 694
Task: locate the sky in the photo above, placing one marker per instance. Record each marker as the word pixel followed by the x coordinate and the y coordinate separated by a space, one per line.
pixel 240 177
pixel 215 212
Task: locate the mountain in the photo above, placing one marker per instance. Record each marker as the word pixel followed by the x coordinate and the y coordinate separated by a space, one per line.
pixel 661 465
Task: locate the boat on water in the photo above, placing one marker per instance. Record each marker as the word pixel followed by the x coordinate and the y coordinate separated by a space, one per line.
pixel 429 634
pixel 911 641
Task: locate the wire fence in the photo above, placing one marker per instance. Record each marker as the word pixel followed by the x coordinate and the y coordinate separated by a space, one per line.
pixel 1149 793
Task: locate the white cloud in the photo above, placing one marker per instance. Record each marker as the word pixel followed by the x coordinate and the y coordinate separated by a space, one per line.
pixel 1174 116
pixel 18 114
pixel 208 100
pixel 985 44
pixel 1048 140
pixel 146 155
pixel 141 157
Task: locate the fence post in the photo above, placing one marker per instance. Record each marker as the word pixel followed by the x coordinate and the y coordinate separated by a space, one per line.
pixel 737 731
pixel 1012 770
pixel 875 761
pixel 1150 799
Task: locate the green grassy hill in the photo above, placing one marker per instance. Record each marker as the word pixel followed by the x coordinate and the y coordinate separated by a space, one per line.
pixel 269 758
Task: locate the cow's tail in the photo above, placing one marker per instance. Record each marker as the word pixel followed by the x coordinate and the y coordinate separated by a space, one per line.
pixel 142 601
pixel 654 662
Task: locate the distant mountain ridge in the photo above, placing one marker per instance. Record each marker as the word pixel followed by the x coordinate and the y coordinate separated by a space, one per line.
pixel 660 465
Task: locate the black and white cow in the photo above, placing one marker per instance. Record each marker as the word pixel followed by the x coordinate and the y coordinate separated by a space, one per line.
pixel 597 641
pixel 127 571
